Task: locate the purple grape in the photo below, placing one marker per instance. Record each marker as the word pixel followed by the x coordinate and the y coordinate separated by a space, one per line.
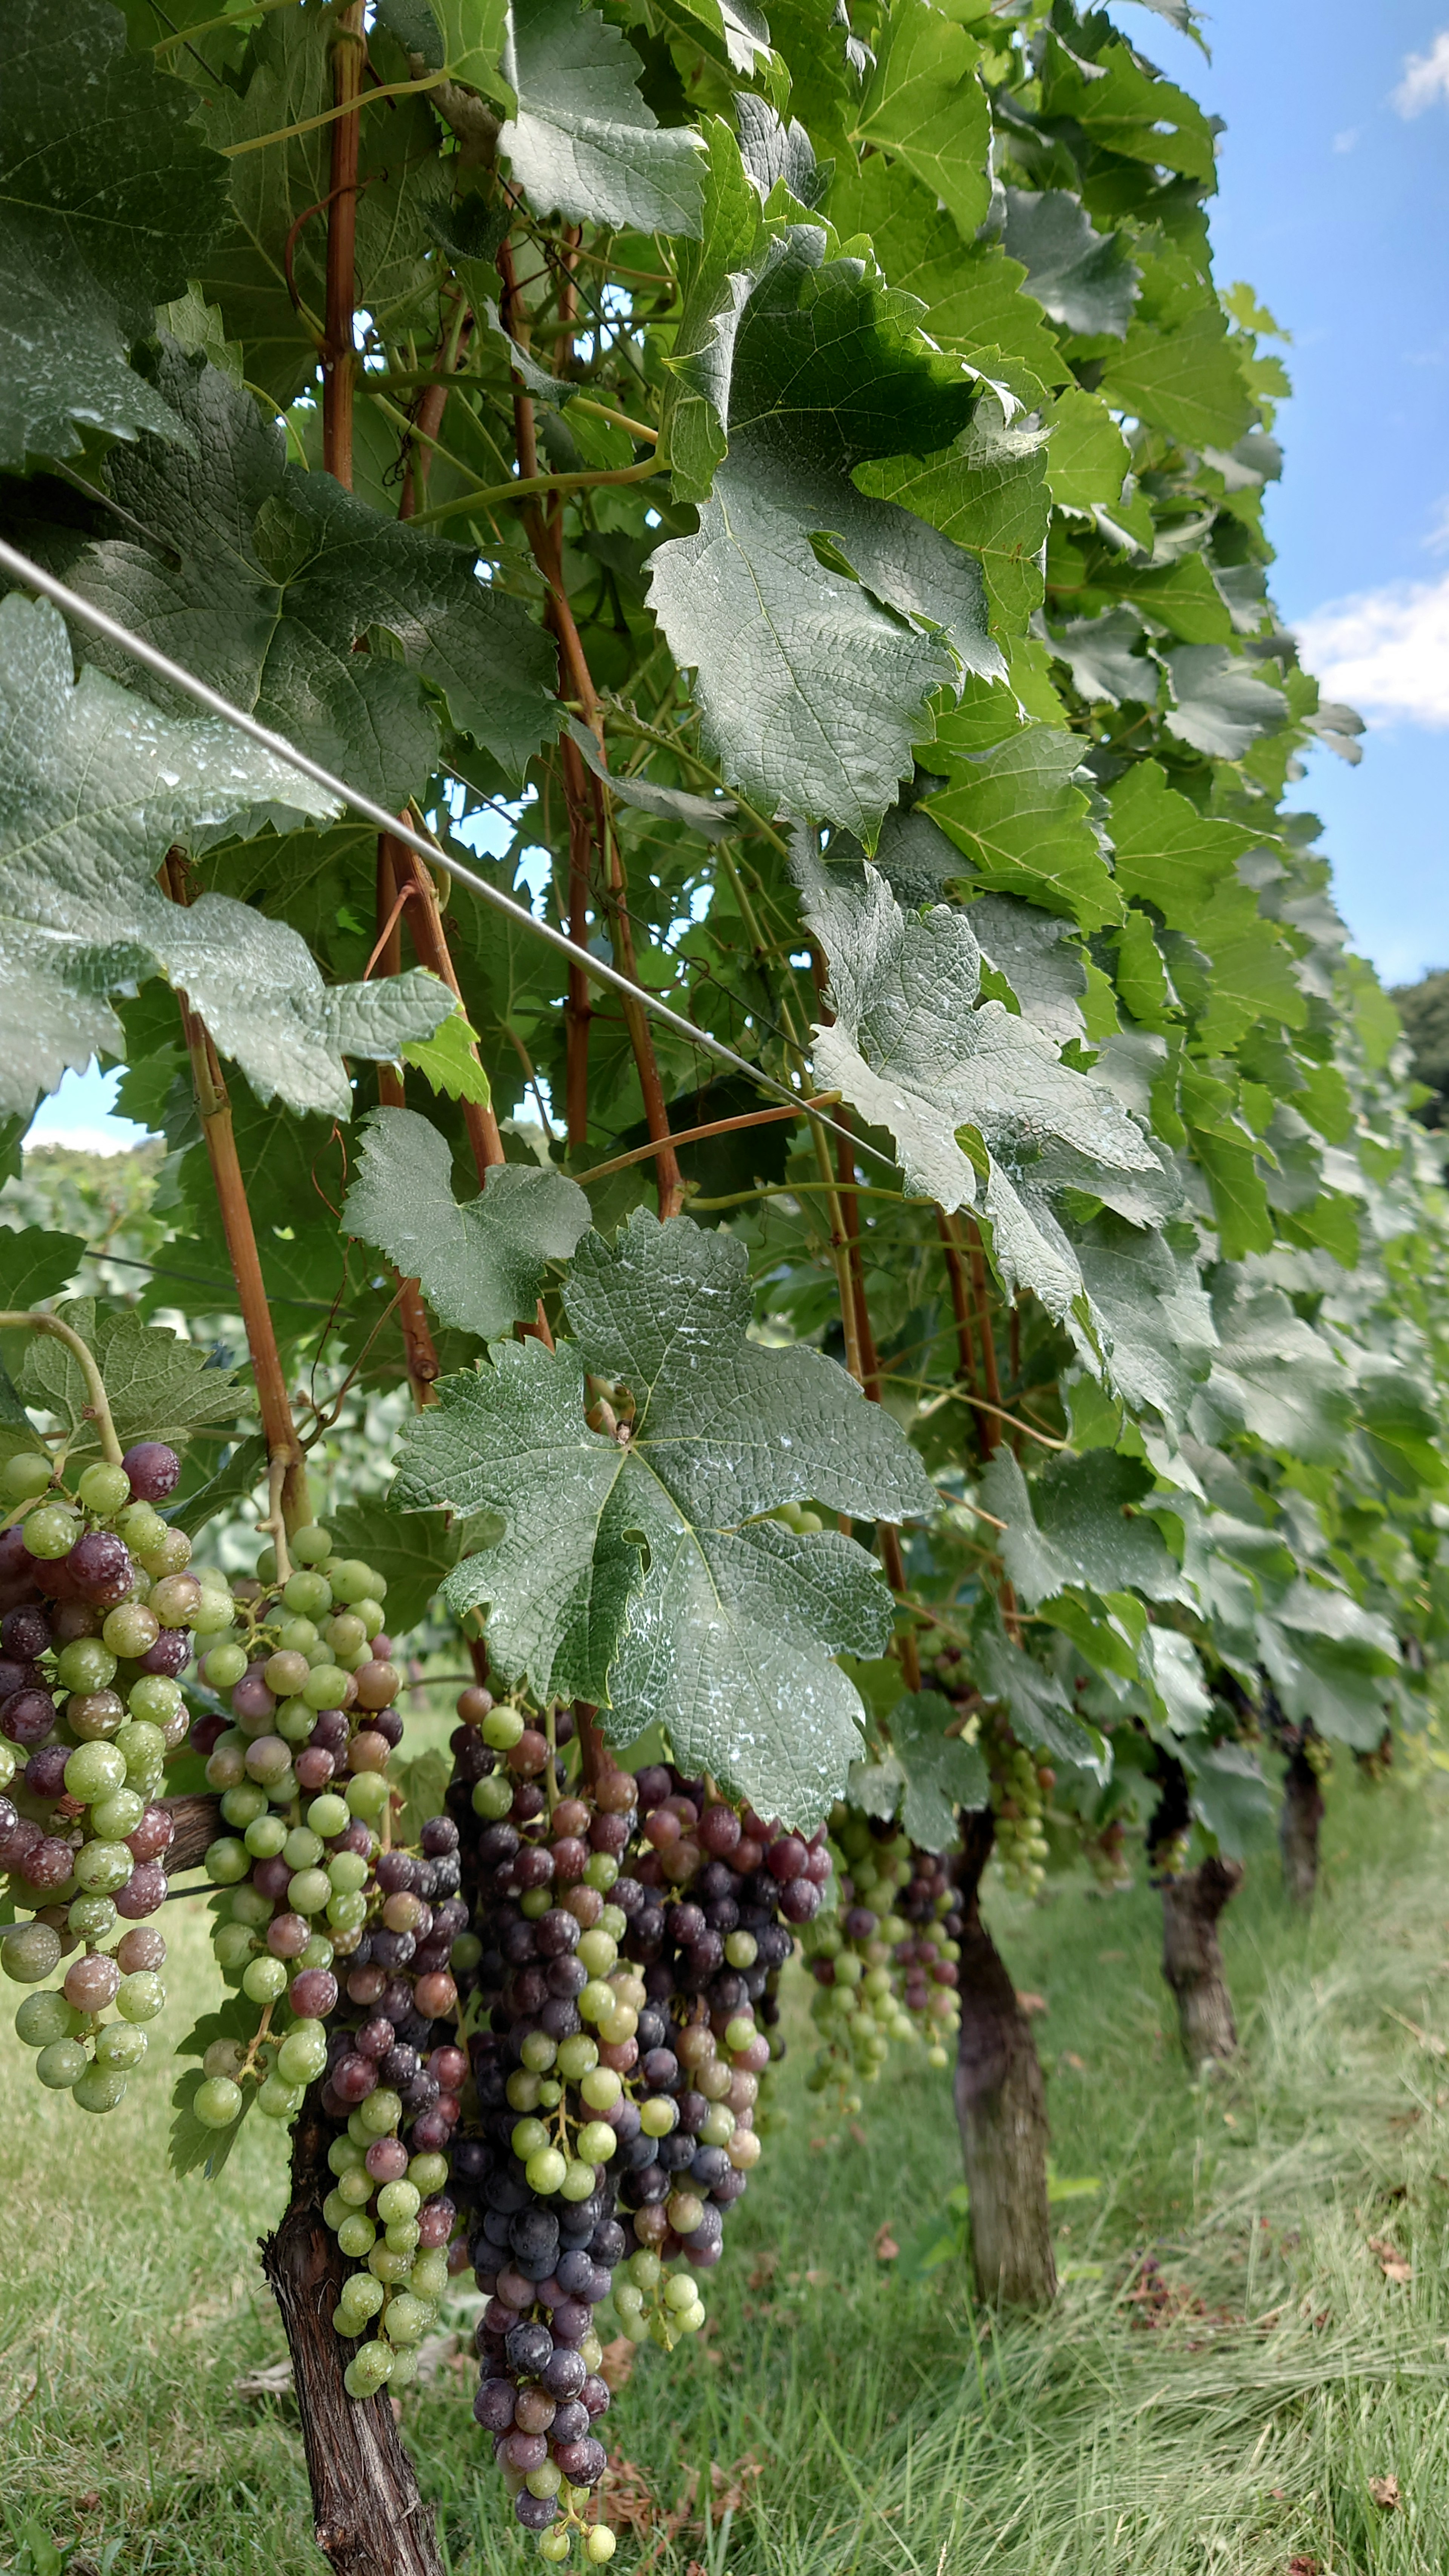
pixel 493 2405
pixel 101 1568
pixel 439 1834
pixel 153 1470
pixel 535 2512
pixel 143 1892
pixel 250 1697
pixel 45 1771
pixel 47 1863
pixel 313 1995
pixel 172 1653
pixel 27 1717
pixel 25 1633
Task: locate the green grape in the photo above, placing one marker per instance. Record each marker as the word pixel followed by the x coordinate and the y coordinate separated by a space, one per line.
pixel 308 1891
pixel 8 1764
pixel 115 1817
pixel 156 1698
pixel 347 1871
pixel 118 2044
pixel 596 2142
pixel 302 1848
pixel 429 2274
pixel 25 1476
pixel 224 1665
pixel 293 1721
pixel 94 1771
pixel 101 2088
pixel 405 2319
pixel 502 1728
pixel 243 1805
pixel 356 2187
pixel 85 1665
pixel 324 1686
pixel 347 1910
pixel 140 1997
pixel 232 1943
pixel 226 1862
pixel 362 2294
pixel 61 2064
pixel 308 1594
pixel 303 2054
pixel 368 2369
pixel 357 2234
pixel 50 1531
pixel 371 1612
pixel 265 1980
pixel 380 2113
pixel 600 2545
pixel 140 1526
pixel 547 2170
pixel 578 2181
pixel 217 2102
pixel 43 2018
pixel 102 1867
pixel 493 1797
pixel 278 2100
pixel 247 1905
pixel 367 1795
pixel 387 2266
pixel 311 1545
pixel 398 2200
pixel 328 1816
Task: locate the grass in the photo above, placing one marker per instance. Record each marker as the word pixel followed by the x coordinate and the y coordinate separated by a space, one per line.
pixel 1227 2372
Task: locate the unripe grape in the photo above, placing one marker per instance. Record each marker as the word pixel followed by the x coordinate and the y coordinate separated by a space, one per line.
pixel 92 1982
pixel 155 1699
pixel 24 1476
pixel 93 1716
pixel 311 1545
pixel 50 1531
pixel 502 1728
pixel 308 1594
pixel 174 1598
pixel 85 1665
pixel 140 1997
pixel 118 2044
pixel 102 1868
pixel 152 1470
pixel 61 2065
pixel 94 1771
pixel 264 1980
pixel 116 1817
pixel 278 2100
pixel 131 1629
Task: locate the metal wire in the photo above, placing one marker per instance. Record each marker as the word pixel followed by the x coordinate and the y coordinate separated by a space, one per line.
pixel 35 577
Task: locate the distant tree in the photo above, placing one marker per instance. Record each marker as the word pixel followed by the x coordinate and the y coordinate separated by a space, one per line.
pixel 1424 1010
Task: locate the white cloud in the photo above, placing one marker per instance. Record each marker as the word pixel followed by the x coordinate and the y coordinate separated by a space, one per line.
pixel 1385 652
pixel 1345 141
pixel 1426 78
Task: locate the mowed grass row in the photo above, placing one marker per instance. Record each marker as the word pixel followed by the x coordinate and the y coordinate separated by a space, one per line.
pixel 1229 2383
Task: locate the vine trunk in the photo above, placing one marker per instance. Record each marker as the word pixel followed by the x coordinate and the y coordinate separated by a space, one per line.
pixel 1298 1827
pixel 1192 1959
pixel 1001 2107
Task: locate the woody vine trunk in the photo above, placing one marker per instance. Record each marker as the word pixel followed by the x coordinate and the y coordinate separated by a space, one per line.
pixel 1000 2106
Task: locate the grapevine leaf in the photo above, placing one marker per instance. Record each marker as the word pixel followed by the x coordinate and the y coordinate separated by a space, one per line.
pixel 1229 1794
pixel 916 1052
pixel 62 359
pixel 1172 1670
pixel 158 1386
pixel 36 1264
pixel 413 1557
pixel 267 271
pixel 482 1265
pixel 1187 381
pixel 1155 1319
pixel 1040 1712
pixel 1088 457
pixel 242 1471
pixel 818 621
pixel 1075 1523
pixel 423 1781
pixel 1020 818
pixel 977 300
pixel 1273 1376
pixel 584 144
pixel 463 38
pixel 236 2019
pixel 989 495
pixel 711 816
pixel 636 1574
pixel 927 107
pixel 1127 108
pixel 940 1773
pixel 127 191
pixel 1035 954
pixel 195 2148
pixel 1082 278
pixel 265 581
pixel 1101 656
pixel 99 785
pixel 1331 1661
pixel 775 154
pixel 1222 707
pixel 449 1060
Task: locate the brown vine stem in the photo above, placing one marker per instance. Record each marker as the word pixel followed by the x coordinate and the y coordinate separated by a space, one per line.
pixel 339 362
pixel 715 1127
pixel 585 794
pixel 98 1408
pixel 961 1309
pixel 418 1346
pixel 214 1109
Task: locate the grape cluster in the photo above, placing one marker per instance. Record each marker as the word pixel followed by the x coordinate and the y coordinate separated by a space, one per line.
pixel 1019 1788
pixel 630 1929
pixel 883 1958
pixel 1106 1856
pixel 340 1944
pixel 98 1617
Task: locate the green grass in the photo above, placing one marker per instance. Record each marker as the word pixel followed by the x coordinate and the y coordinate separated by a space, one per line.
pixel 866 2425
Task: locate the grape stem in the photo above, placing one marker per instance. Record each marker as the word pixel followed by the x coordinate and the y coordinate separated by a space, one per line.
pixel 275 1521
pixel 98 1410
pixel 263 2031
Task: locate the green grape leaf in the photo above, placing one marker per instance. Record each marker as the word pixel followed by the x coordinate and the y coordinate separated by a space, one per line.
pixel 1088 457
pixel 1019 817
pixel 714 279
pixel 158 1387
pixel 99 785
pixel 1221 706
pixel 423 1780
pixel 1082 278
pixel 193 2147
pixel 267 271
pixel 989 495
pixel 1230 1795
pixel 413 1556
pixel 449 1060
pixel 636 1573
pixel 127 192
pixel 271 581
pixel 236 2019
pixel 1040 1711
pixel 1401 1423
pixel 242 1471
pixel 1155 1317
pixel 1076 1524
pixel 584 144
pixel 940 1774
pixel 1272 1376
pixel 916 1052
pixel 62 357
pixel 1125 107
pixel 36 1264
pixel 1331 1661
pixel 977 300
pixel 926 106
pixel 1099 652
pixel 819 621
pixel 1036 955
pixel 710 816
pixel 1187 381
pixel 463 38
pixel 481 1266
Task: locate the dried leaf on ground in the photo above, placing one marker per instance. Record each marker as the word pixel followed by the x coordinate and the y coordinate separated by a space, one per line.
pixel 617 2362
pixel 274 2379
pixel 886 2248
pixel 1385 2492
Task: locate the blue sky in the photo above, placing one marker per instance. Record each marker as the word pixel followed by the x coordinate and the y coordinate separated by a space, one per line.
pixel 1334 204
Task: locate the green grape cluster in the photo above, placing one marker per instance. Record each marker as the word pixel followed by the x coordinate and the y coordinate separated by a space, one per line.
pixel 1019 1786
pixel 100 1607
pixel 1106 1856
pixel 884 1959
